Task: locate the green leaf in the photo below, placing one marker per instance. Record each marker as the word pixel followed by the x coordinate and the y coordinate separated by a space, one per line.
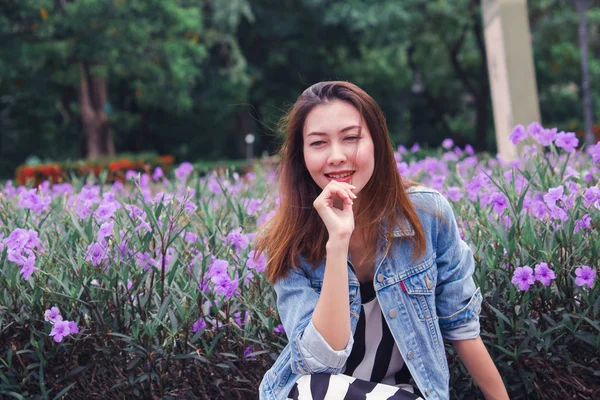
pixel 63 392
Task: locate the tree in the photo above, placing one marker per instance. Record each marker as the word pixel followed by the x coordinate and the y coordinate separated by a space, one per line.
pixel 153 45
pixel 582 6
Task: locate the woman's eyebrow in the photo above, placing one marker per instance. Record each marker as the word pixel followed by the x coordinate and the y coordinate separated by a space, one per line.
pixel 346 129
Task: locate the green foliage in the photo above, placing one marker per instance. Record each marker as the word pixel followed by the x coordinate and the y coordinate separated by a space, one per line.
pixel 192 78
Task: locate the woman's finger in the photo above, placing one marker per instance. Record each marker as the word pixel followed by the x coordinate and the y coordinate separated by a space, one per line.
pixel 341 191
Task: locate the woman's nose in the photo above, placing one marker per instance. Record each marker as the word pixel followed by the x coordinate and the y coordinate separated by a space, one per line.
pixel 337 155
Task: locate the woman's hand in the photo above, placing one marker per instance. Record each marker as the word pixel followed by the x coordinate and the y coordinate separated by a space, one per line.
pixel 339 221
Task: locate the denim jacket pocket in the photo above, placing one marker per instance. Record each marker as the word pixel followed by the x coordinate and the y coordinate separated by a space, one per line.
pixel 420 288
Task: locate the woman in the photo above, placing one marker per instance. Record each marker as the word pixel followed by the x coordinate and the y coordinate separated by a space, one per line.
pixel 370 271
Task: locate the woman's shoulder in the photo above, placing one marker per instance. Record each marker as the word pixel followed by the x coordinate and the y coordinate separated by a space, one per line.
pixel 419 189
pixel 431 201
pixel 424 197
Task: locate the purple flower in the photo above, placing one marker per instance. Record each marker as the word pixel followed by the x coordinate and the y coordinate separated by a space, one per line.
pixel 535 129
pixel 247 352
pixel 143 225
pixel 553 195
pixel 37 204
pixel 592 196
pixel 475 185
pixel 213 185
pixel 52 315
pixel 189 207
pixel 183 171
pixel 265 217
pixel 547 136
pixel 584 223
pixel 279 329
pixel 402 168
pixel 190 237
pixel 567 141
pixel 585 276
pixel 544 274
pixel 454 193
pixel 96 254
pixel 217 267
pixel 131 174
pixel 158 173
pixel 224 285
pixel 518 134
pixel 144 181
pixel 253 206
pixel 499 203
pixel 134 211
pixel 415 147
pixel 203 286
pixel 447 143
pixel 106 230
pixel 571 172
pixel 259 264
pixel 60 329
pixel 248 278
pixel 523 277
pixel 17 240
pixel 199 325
pixel 73 328
pixel 104 212
pixel 28 267
pixel 238 318
pixel 559 213
pixel 237 239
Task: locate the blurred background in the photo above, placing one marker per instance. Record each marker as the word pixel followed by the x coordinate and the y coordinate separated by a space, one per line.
pixel 190 79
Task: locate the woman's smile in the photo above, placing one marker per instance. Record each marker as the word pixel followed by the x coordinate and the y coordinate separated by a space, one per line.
pixel 338 145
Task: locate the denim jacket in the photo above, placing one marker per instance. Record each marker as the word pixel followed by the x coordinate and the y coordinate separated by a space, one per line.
pixel 423 302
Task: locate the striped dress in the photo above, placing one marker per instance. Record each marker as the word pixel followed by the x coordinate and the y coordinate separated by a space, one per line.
pixel 375 369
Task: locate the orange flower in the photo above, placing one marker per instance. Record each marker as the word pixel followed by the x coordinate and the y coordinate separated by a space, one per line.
pixel 114 166
pixel 166 159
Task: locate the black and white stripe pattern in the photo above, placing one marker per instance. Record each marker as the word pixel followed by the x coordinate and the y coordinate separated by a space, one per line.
pixel 344 387
pixel 375 369
pixel 375 356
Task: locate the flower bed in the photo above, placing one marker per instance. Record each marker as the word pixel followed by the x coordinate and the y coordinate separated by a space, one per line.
pixel 149 287
pixel 116 169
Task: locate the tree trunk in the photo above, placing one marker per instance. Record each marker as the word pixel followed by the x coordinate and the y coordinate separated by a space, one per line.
pixel 582 6
pixel 92 103
pixel 241 127
pixel 482 97
pixel 480 89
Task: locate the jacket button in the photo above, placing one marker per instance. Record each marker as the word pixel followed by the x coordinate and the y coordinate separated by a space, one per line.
pixel 380 278
pixel 426 392
pixel 410 355
pixel 429 282
pixel 393 312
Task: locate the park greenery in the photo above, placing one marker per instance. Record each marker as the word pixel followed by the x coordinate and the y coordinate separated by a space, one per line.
pixel 190 78
pixel 150 287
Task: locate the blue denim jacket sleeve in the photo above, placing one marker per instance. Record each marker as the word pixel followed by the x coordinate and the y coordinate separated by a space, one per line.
pixel 458 300
pixel 311 354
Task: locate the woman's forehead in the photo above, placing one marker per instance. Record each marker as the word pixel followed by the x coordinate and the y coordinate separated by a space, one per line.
pixel 331 118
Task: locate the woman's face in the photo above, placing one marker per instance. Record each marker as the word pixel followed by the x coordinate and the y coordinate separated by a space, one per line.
pixel 338 145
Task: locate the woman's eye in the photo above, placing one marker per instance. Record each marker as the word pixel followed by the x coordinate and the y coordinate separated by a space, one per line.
pixel 351 138
pixel 317 143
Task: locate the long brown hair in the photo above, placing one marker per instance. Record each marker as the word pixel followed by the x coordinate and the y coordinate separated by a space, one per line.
pixel 296 228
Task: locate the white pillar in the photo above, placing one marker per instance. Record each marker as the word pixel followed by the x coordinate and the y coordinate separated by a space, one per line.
pixel 510 68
